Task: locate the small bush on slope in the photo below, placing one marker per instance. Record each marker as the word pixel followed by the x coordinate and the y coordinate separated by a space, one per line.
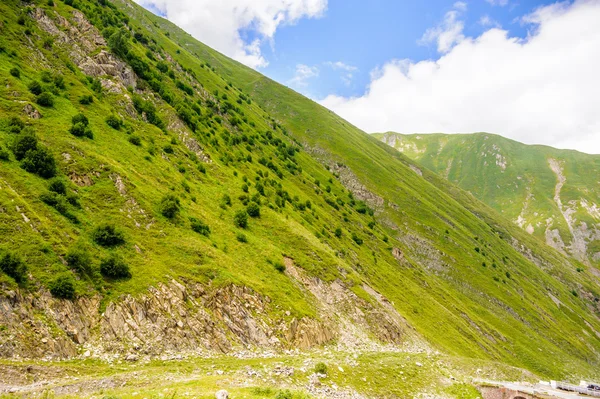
pixel 13 266
pixel 107 235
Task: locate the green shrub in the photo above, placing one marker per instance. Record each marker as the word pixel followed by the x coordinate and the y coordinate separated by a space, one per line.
pixel 56 201
pixel 15 124
pixel 59 82
pixel 73 200
pixel 107 235
pixel 4 155
pixel 80 118
pixel 253 210
pixel 168 149
pixel 35 87
pixel 225 200
pixel 16 72
pixel 241 237
pixel 115 122
pixel 13 266
pixel 58 186
pixel 135 140
pixel 63 287
pixel 321 368
pixel 119 42
pixel 46 76
pixel 81 130
pixel 200 227
pixel 45 99
pixel 86 100
pixel 338 232
pixel 170 206
pixel 280 267
pixel 114 267
pixel 40 161
pixel 23 143
pixel 79 260
pixel 284 394
pixel 357 239
pixel 240 219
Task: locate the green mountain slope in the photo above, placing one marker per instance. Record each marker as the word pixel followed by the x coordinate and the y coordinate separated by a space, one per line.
pixel 552 194
pixel 227 184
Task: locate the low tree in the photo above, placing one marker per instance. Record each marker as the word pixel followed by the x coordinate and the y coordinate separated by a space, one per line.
pixel 63 287
pixel 24 142
pixel 114 267
pixel 79 260
pixel 41 162
pixel 240 219
pixel 170 206
pixel 253 209
pixel 107 235
pixel 13 266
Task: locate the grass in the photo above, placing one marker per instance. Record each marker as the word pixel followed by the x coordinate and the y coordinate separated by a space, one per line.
pixel 370 374
pixel 440 287
pixel 526 186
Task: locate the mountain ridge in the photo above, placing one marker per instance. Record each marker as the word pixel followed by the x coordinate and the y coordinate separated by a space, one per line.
pixel 240 190
pixel 570 218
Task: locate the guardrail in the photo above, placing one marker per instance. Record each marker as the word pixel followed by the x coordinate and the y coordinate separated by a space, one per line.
pixel 576 388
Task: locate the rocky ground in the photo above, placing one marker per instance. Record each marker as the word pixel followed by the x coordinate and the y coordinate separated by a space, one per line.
pixel 322 374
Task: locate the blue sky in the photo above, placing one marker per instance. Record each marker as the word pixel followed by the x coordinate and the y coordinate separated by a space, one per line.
pixel 524 69
pixel 366 37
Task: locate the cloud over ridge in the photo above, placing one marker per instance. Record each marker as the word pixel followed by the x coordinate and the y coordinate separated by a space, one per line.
pixel 219 23
pixel 541 89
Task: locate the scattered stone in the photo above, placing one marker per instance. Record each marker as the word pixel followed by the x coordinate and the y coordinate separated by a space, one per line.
pixel 32 112
pixel 222 394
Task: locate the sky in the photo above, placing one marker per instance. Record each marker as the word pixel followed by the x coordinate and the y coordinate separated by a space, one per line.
pixel 524 69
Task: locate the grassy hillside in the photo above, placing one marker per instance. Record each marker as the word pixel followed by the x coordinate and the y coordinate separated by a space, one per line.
pixel 186 144
pixel 552 194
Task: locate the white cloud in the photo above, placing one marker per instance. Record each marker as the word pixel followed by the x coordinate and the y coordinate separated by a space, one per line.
pixel 460 6
pixel 449 32
pixel 218 23
pixel 347 71
pixel 500 3
pixel 543 89
pixel 302 75
pixel 487 21
pixel 340 65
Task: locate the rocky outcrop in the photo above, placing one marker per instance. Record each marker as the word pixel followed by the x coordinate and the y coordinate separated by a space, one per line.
pixel 580 233
pixel 347 177
pixel 32 112
pixel 356 323
pixel 83 39
pixel 194 318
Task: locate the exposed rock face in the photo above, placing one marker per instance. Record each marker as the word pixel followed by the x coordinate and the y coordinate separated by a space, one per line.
pixel 83 39
pixel 32 112
pixel 580 233
pixel 347 178
pixel 355 322
pixel 178 318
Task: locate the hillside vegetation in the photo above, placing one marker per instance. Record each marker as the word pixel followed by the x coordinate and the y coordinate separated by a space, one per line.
pixel 150 185
pixel 552 194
